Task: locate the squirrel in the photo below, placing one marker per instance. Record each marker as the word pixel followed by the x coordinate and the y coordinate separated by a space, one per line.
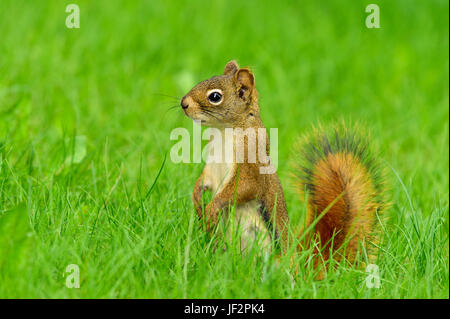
pixel 337 175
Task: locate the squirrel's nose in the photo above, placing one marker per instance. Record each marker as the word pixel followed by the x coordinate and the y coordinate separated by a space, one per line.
pixel 183 103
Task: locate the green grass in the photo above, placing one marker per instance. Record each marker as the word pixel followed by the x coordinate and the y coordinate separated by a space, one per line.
pixel 97 88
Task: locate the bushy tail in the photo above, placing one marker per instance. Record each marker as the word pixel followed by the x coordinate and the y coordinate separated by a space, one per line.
pixel 344 188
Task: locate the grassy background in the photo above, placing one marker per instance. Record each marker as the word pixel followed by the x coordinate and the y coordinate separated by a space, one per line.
pixel 94 94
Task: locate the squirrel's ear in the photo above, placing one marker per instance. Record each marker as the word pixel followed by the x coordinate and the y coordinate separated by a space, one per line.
pixel 245 81
pixel 231 68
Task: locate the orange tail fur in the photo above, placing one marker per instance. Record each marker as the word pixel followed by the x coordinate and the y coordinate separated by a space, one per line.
pixel 344 188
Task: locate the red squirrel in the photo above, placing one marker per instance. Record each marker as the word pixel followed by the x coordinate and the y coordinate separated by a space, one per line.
pixel 343 183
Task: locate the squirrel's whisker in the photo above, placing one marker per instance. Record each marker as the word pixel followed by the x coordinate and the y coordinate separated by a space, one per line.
pixel 166 95
pixel 210 113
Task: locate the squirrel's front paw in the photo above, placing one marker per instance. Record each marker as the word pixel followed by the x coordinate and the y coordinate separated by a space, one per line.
pixel 197 195
pixel 197 199
pixel 212 212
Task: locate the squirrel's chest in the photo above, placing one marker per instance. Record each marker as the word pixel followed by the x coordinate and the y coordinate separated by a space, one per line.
pixel 218 170
pixel 221 174
pixel 218 175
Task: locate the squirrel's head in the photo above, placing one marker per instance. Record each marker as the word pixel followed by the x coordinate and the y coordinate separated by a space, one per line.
pixel 224 101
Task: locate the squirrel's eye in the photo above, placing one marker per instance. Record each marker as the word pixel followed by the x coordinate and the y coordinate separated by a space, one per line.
pixel 215 96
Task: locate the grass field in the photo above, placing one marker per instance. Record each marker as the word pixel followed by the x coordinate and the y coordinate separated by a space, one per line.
pixel 85 126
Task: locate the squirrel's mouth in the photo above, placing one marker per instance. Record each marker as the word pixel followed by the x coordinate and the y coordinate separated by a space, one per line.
pixel 199 116
pixel 205 121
